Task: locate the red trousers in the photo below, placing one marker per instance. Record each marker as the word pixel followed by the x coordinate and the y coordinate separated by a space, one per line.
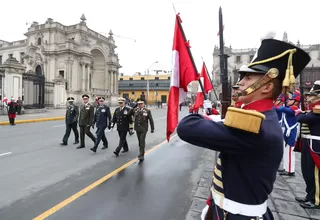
pixel 12 115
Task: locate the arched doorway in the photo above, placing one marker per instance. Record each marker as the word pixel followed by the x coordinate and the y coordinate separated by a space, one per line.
pixel 97 76
pixel 33 88
pixel 38 70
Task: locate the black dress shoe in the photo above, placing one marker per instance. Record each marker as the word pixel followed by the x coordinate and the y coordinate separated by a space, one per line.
pixel 141 158
pixel 123 151
pixel 79 147
pixel 281 170
pixel 94 149
pixel 309 205
pixel 104 147
pixel 116 153
pixel 285 173
pixel 302 199
pixel 63 144
pixel 76 142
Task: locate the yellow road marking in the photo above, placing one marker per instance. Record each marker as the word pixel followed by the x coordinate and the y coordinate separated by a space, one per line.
pixel 75 196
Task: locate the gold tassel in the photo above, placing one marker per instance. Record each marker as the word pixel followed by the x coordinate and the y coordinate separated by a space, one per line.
pixel 247 120
pixel 292 80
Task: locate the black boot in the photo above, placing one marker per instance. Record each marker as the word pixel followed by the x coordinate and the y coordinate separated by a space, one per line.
pixel 105 146
pixel 94 149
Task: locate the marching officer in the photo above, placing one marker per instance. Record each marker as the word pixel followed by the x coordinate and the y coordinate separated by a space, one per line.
pixel 102 119
pixel 250 139
pixel 122 116
pixel 141 118
pixel 310 152
pixel 12 111
pixel 85 120
pixel 72 115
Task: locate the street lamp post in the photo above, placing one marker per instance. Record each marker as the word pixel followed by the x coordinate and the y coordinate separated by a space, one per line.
pixel 147 99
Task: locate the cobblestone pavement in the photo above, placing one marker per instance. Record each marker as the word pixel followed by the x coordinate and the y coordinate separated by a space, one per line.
pixel 281 201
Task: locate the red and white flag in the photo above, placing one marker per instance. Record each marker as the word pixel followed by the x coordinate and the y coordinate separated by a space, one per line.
pixel 200 98
pixel 207 86
pixel 183 72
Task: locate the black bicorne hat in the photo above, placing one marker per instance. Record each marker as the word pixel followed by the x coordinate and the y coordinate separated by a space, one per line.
pixel 70 99
pixel 85 96
pixel 277 54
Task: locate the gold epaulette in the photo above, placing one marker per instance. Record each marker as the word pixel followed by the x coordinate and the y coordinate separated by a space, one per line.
pixel 247 120
pixel 316 109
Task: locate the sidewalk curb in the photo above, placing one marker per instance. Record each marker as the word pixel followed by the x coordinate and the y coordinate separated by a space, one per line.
pixel 34 120
pixel 41 119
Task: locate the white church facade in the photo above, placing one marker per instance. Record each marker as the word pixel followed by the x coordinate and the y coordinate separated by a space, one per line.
pixel 56 61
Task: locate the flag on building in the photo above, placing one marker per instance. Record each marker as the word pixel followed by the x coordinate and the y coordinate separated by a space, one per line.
pixel 183 72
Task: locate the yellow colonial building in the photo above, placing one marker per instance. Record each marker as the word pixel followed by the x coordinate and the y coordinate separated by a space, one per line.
pixel 133 87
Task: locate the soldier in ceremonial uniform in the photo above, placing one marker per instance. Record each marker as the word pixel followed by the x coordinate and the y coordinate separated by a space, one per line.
pixel 310 152
pixel 290 132
pixel 122 116
pixel 250 139
pixel 102 119
pixel 141 118
pixel 12 111
pixel 85 121
pixel 72 115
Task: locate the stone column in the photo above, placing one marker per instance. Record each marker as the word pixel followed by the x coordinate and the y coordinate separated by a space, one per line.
pixel 115 82
pixel 71 75
pixel 111 82
pixel 87 76
pixel 83 77
pixel 106 79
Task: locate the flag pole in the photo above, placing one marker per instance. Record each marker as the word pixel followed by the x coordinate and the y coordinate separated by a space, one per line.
pixel 189 52
pixel 205 66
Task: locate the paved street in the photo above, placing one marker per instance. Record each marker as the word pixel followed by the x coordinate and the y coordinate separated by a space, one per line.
pixel 281 201
pixel 172 183
pixel 36 174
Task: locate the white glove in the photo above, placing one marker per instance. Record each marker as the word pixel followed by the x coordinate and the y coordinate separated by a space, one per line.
pixel 204 212
pixel 215 118
pixel 207 104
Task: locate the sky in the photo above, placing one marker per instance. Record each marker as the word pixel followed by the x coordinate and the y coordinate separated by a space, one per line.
pixel 151 24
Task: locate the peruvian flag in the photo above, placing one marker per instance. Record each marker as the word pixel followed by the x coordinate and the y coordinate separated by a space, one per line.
pixel 199 98
pixel 183 72
pixel 207 86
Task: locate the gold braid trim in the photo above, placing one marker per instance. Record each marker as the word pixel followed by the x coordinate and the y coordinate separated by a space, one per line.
pixel 247 120
pixel 273 58
pixel 271 74
pixel 289 80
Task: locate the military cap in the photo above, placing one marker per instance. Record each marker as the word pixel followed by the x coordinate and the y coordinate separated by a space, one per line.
pixel 70 99
pixel 101 98
pixel 85 96
pixel 120 99
pixel 277 54
pixel 140 101
pixel 315 90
